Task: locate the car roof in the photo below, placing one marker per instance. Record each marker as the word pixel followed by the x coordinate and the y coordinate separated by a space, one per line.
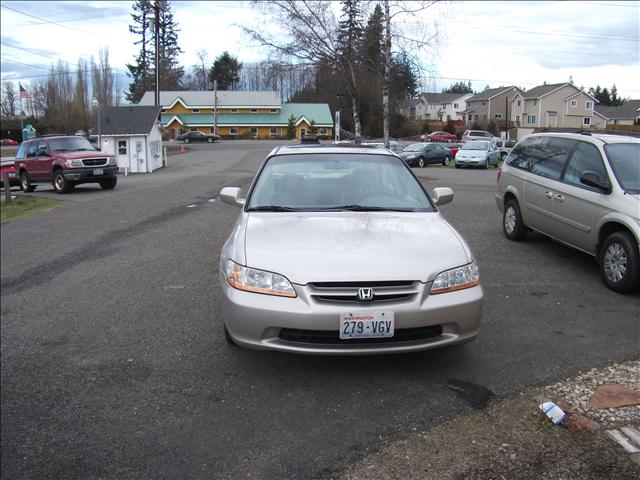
pixel 601 137
pixel 327 148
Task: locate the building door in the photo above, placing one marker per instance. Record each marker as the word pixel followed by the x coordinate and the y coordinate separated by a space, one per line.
pixel 303 132
pixel 122 153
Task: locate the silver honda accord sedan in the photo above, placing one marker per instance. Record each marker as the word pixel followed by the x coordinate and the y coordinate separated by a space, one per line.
pixel 340 250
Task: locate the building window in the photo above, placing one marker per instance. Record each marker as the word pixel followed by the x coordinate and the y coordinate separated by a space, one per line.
pixel 323 131
pixel 469 117
pixel 497 115
pixel 455 105
pixel 588 105
pixel 412 113
pixel 273 131
pixel 531 119
pixel 586 121
pixel 233 131
pixel 476 116
pixel 484 102
pixel 122 147
pixel 254 110
pixel 535 102
pixel 273 110
pixel 517 118
pixel 195 110
pixel 519 102
pixel 574 103
pixel 234 110
pixel 254 132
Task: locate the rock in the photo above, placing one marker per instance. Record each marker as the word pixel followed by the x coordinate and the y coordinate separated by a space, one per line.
pixel 612 396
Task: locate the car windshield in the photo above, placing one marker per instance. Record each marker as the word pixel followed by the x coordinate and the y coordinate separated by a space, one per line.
pixel 336 182
pixel 416 147
pixel 475 146
pixel 70 144
pixel 625 161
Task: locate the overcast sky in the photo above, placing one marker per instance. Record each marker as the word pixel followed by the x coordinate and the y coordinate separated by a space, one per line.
pixel 494 43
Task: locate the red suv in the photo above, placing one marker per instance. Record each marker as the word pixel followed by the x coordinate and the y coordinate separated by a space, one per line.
pixel 64 162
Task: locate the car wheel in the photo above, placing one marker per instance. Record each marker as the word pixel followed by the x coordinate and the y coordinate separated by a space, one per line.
pixel 503 155
pixel 620 263
pixel 420 162
pixel 210 140
pixel 486 164
pixel 187 140
pixel 109 184
pixel 446 161
pixel 61 184
pixel 25 183
pixel 227 337
pixel 512 224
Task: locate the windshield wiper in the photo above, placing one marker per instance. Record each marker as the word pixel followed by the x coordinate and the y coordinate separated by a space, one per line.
pixel 365 208
pixel 272 208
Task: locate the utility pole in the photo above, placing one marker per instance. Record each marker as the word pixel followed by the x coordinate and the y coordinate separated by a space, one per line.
pixel 215 107
pixel 506 118
pixel 156 26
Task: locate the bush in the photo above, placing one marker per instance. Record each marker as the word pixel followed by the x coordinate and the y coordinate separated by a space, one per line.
pixel 244 135
pixel 492 128
pixel 476 126
pixel 450 127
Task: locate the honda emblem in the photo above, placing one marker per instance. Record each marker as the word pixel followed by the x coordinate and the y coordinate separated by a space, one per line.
pixel 365 294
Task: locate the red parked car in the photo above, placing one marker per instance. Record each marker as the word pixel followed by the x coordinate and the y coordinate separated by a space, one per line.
pixel 8 142
pixel 439 137
pixel 8 165
pixel 64 162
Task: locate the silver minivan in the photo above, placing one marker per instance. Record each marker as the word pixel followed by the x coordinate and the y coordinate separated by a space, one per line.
pixel 582 189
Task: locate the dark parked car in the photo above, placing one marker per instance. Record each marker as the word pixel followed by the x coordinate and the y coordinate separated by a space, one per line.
pixel 64 161
pixel 421 154
pixel 199 137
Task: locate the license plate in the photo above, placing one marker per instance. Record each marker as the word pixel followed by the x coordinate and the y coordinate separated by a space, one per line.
pixel 98 171
pixel 366 325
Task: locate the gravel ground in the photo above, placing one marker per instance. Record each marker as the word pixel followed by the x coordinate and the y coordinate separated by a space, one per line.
pixel 576 393
pixel 512 439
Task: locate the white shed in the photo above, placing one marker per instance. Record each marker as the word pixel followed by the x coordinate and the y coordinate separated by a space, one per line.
pixel 134 135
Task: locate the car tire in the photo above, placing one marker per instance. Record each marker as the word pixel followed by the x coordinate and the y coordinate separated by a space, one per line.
pixel 446 161
pixel 210 140
pixel 186 140
pixel 620 263
pixel 420 162
pixel 109 184
pixel 503 155
pixel 25 183
pixel 486 164
pixel 61 184
pixel 227 337
pixel 512 224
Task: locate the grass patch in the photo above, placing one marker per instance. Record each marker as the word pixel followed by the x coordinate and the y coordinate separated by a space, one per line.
pixel 23 206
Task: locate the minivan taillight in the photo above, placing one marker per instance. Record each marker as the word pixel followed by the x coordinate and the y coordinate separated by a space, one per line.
pixel 499 173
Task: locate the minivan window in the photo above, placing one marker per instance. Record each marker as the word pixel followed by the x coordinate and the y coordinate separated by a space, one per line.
pixel 31 152
pixel 585 158
pixel 625 161
pixel 547 156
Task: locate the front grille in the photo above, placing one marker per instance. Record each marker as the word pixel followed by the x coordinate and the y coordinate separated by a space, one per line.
pixel 347 292
pixel 95 162
pixel 332 337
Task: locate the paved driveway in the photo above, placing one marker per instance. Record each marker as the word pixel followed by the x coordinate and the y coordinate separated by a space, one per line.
pixel 114 365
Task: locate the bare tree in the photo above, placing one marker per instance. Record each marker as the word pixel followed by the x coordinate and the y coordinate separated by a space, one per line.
pixel 9 100
pixel 81 97
pixel 201 69
pixel 312 38
pixel 103 79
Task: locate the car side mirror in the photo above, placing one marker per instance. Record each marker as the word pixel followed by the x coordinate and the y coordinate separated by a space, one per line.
pixel 231 195
pixel 591 179
pixel 442 195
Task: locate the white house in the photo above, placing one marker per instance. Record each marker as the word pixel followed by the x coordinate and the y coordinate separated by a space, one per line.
pixel 133 134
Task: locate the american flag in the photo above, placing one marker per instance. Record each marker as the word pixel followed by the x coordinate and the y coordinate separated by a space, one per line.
pixel 24 93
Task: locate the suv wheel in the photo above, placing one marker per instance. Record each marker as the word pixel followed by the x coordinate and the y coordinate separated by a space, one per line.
pixel 620 263
pixel 421 162
pixel 61 184
pixel 25 183
pixel 446 161
pixel 109 184
pixel 512 225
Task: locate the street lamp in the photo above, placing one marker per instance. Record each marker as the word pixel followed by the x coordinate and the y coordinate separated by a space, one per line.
pixel 96 104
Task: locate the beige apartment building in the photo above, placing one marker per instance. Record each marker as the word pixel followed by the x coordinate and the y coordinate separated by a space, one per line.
pixel 492 104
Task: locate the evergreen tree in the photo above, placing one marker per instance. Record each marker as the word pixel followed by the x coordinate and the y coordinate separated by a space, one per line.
pixel 459 87
pixel 140 71
pixel 170 70
pixel 226 70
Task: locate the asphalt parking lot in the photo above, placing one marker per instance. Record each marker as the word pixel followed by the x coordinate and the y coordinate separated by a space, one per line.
pixel 114 365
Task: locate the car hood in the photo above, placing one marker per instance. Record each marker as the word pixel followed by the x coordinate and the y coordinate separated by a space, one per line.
pixel 82 154
pixel 353 246
pixel 472 153
pixel 406 154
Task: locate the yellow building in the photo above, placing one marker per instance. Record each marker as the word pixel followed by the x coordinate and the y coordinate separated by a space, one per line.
pixel 258 115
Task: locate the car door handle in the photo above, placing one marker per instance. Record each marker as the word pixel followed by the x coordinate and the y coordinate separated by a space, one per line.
pixel 558 197
pixel 548 194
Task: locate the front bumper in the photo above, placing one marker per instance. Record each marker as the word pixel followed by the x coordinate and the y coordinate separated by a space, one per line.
pixel 255 320
pixel 473 162
pixel 89 174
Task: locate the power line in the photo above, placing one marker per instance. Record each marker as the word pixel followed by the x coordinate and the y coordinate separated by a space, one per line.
pixel 26 64
pixel 32 52
pixel 48 21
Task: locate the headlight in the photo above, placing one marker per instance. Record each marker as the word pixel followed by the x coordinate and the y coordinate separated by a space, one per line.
pixel 74 163
pixel 112 161
pixel 410 157
pixel 258 281
pixel 456 279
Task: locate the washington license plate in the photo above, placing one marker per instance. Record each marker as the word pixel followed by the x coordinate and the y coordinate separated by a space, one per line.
pixel 98 171
pixel 366 325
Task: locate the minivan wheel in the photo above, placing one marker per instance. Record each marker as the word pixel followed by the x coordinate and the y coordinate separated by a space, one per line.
pixel 25 183
pixel 61 184
pixel 421 162
pixel 227 337
pixel 620 263
pixel 512 224
pixel 446 161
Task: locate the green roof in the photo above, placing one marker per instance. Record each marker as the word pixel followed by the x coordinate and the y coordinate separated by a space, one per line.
pixel 318 112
